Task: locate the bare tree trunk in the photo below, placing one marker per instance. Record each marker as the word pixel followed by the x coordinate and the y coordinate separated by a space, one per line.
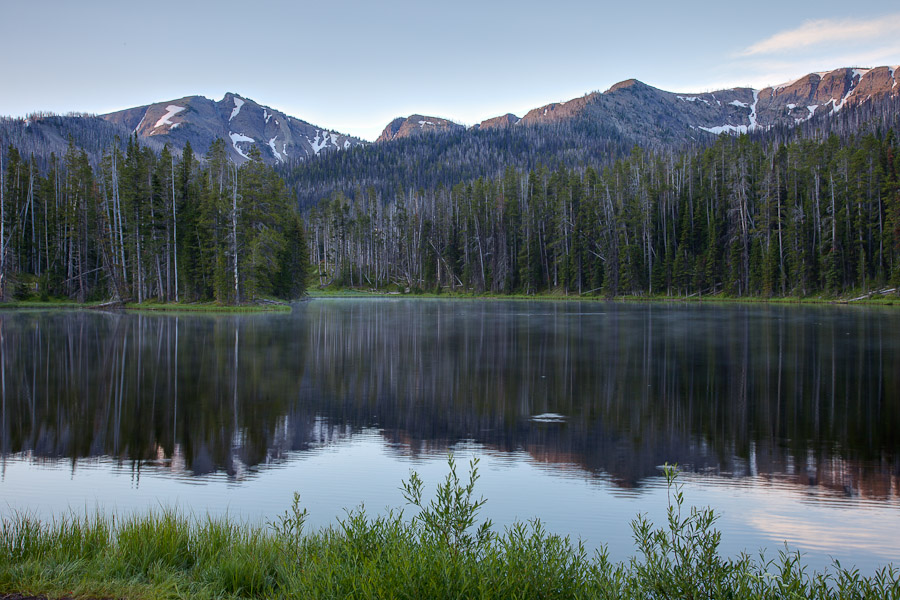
pixel 234 238
pixel 833 220
pixel 174 230
pixel 159 281
pixel 34 242
pixel 120 225
pixel 780 242
pixel 139 273
pixel 2 231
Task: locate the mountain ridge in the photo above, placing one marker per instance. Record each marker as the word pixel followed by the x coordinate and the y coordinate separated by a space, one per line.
pixel 631 111
pixel 730 110
pixel 235 118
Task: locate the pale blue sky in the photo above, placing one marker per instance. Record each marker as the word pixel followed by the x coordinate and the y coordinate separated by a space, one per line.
pixel 353 66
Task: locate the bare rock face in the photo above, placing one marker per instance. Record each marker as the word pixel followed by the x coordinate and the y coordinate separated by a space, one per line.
pixel 877 81
pixel 556 111
pixel 416 125
pixel 824 93
pixel 506 120
pixel 241 122
pixel 392 129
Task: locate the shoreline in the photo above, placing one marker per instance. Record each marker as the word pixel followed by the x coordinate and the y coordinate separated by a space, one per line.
pixel 870 299
pixel 167 307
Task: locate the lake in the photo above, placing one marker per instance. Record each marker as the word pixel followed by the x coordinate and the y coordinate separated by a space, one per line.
pixel 784 419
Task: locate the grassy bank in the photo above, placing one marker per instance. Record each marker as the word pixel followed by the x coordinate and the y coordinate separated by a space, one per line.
pixel 150 306
pixel 439 550
pixel 857 297
pixel 208 307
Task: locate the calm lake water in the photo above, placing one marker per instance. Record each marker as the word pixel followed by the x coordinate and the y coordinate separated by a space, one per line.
pixel 786 420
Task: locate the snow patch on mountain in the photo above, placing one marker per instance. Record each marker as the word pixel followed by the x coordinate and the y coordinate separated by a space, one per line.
pixel 811 112
pixel 318 144
pixel 171 111
pixel 725 129
pixel 274 149
pixel 424 123
pixel 238 103
pixel 837 105
pixel 752 117
pixel 860 72
pixel 693 99
pixel 141 122
pixel 267 116
pixel 240 137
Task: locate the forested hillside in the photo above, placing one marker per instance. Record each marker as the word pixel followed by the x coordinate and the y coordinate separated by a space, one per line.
pixel 810 210
pixel 146 225
pixel 565 207
pixel 445 158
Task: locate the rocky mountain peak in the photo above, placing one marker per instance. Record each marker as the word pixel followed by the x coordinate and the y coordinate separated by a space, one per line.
pixel 416 125
pixel 240 121
pixel 624 85
pixel 506 120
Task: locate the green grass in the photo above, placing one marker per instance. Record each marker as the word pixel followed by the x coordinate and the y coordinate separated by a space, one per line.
pixel 208 307
pixel 149 306
pixel 851 297
pixel 52 303
pixel 441 550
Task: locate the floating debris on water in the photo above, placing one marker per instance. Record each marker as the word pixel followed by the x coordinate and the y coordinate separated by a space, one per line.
pixel 548 418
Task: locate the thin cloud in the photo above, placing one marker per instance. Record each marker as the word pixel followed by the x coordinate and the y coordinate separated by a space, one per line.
pixel 826 31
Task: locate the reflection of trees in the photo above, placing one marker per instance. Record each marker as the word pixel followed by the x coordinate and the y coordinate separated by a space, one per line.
pixel 810 395
pixel 136 387
pixel 732 391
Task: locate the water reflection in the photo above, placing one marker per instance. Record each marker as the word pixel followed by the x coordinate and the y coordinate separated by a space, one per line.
pixel 809 397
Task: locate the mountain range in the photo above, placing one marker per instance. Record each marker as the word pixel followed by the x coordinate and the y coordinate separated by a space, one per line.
pixel 633 106
pixel 630 111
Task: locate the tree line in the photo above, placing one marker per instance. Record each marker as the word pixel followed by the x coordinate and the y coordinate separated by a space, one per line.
pixel 770 214
pixel 147 225
pixel 744 216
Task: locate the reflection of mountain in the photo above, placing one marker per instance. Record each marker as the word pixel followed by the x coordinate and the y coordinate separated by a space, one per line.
pixel 804 395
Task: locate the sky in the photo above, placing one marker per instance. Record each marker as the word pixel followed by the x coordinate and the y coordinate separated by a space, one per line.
pixel 353 66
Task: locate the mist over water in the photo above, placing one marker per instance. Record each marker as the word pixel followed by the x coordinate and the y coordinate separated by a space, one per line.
pixel 785 419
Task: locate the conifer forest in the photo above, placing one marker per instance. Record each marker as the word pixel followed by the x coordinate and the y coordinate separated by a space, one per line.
pixel 144 225
pixel 741 217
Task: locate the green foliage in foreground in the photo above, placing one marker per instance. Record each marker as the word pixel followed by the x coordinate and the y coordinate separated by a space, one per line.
pixel 442 551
